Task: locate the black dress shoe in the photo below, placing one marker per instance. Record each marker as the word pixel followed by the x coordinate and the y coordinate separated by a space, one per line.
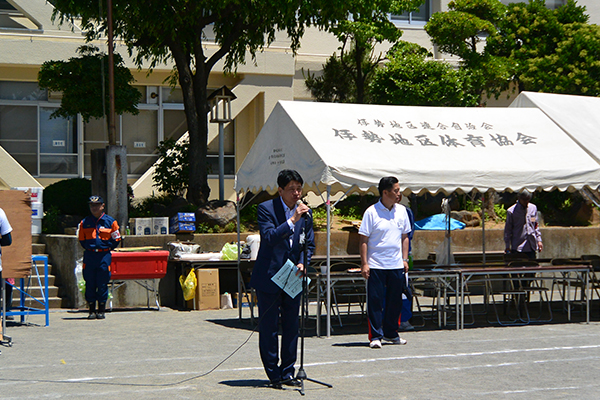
pixel 292 382
pixel 275 385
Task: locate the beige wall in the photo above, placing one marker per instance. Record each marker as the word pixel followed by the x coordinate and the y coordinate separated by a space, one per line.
pixel 276 74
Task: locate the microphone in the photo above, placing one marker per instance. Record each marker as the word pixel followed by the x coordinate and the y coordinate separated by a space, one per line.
pixel 300 201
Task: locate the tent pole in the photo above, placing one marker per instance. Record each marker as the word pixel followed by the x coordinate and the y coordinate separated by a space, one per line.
pixel 328 261
pixel 483 228
pixel 239 274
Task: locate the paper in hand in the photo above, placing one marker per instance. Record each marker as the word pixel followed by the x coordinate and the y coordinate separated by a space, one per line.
pixel 287 279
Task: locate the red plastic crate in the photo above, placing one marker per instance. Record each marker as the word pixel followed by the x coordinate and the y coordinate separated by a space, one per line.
pixel 139 265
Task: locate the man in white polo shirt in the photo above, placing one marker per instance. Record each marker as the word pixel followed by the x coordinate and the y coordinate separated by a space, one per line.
pixel 383 245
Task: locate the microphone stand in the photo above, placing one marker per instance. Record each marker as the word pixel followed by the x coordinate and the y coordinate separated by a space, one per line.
pixel 301 375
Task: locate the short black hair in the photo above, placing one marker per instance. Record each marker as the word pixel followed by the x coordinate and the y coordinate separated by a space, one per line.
pixel 525 195
pixel 386 183
pixel 288 175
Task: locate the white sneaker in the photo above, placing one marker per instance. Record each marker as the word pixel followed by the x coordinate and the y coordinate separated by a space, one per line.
pixel 396 340
pixel 375 344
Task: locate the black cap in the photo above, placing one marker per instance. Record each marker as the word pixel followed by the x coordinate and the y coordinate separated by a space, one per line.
pixel 95 200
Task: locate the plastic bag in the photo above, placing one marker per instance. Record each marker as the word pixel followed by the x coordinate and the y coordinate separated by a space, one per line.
pixel 230 251
pixel 177 249
pixel 441 253
pixel 79 275
pixel 226 301
pixel 188 285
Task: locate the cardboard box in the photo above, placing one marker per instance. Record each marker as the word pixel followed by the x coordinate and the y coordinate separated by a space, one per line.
pixel 183 217
pixel 37 210
pixel 143 226
pixel 37 193
pixel 160 225
pixel 245 303
pixel 208 294
pixel 182 227
pixel 36 226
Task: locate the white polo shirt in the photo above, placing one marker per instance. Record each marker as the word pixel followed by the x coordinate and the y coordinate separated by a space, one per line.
pixel 385 228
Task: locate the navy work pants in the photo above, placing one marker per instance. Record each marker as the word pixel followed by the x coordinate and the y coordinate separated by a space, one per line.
pixel 272 307
pixel 96 272
pixel 384 302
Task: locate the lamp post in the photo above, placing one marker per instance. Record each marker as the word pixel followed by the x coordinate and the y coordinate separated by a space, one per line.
pixel 220 111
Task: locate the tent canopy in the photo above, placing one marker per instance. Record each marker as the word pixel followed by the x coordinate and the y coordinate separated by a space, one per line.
pixel 426 148
pixel 578 116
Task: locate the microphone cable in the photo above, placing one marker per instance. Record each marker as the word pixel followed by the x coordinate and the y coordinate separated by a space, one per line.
pixel 162 384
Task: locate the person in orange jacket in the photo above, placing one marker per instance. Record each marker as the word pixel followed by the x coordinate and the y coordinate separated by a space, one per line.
pixel 98 235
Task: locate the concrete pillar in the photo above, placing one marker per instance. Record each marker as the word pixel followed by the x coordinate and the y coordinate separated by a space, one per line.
pixel 116 184
pixel 98 158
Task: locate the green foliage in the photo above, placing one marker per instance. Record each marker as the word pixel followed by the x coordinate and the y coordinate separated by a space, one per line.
pixel 248 215
pixel 229 228
pixel 461 32
pixel 175 31
pixel 79 80
pixel 561 208
pixel 51 220
pixel 346 76
pixel 171 173
pixel 574 66
pixel 411 77
pixel 319 217
pixel 500 211
pixel 144 208
pixel 69 196
pixel 536 48
pixel 336 84
pixel 354 206
pixel 473 205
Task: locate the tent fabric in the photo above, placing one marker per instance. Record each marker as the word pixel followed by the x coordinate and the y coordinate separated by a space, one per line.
pixel 578 116
pixel 438 222
pixel 426 148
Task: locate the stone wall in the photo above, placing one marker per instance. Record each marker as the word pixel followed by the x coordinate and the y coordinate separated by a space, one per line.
pixel 64 250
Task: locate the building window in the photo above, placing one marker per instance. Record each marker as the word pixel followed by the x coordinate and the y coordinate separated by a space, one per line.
pixel 42 145
pixel 50 147
pixel 414 17
pixel 551 4
pixel 58 144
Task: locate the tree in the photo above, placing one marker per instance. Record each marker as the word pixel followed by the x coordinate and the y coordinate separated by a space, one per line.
pixel 525 44
pixel 336 84
pixel 171 172
pixel 77 79
pixel 412 77
pixel 462 31
pixel 553 51
pixel 157 31
pixel 345 77
pixel 574 68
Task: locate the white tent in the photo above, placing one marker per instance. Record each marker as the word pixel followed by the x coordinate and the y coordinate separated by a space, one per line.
pixel 578 116
pixel 337 146
pixel 426 148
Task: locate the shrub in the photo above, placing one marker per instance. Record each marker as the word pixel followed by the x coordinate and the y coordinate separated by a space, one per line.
pixel 69 196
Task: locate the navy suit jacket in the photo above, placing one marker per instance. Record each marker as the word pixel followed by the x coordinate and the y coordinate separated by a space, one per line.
pixel 275 247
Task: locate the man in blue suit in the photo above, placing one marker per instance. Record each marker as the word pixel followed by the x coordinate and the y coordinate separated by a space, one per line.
pixel 281 221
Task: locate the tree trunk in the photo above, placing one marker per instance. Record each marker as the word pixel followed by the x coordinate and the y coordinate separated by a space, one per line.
pixel 487 204
pixel 360 81
pixel 193 86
